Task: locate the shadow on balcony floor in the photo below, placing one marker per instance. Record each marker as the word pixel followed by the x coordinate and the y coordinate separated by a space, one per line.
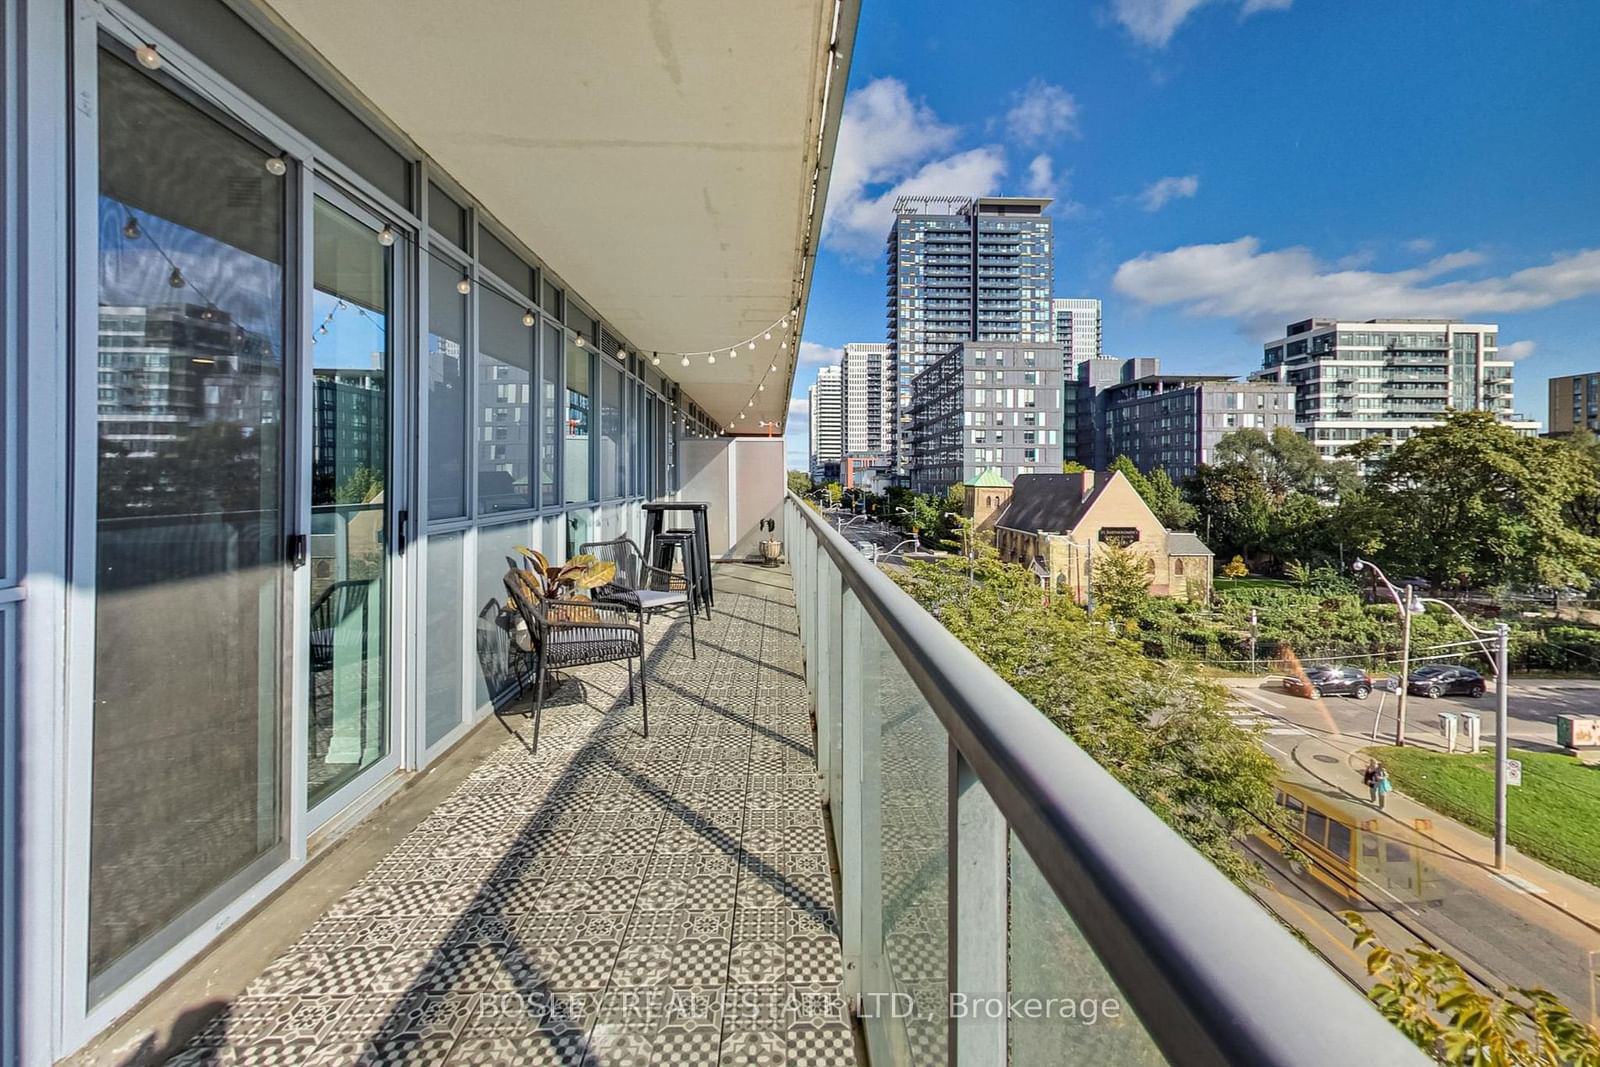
pixel 611 900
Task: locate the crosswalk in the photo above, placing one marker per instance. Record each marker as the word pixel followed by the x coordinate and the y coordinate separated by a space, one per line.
pixel 1247 717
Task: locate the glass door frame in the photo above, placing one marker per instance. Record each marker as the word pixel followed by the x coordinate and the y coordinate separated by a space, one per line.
pixel 400 381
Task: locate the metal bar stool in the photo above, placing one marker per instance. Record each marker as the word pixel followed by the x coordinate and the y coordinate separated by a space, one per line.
pixel 659 553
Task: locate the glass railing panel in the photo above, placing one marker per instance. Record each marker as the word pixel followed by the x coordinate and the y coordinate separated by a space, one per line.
pixel 912 768
pixel 1061 1004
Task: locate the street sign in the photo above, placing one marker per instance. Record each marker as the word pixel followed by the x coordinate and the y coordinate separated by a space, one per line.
pixel 1513 772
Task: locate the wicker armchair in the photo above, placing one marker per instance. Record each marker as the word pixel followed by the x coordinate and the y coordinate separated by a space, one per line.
pixel 575 633
pixel 641 588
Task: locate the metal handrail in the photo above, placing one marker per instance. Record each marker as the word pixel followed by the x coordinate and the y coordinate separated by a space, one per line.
pixel 1212 977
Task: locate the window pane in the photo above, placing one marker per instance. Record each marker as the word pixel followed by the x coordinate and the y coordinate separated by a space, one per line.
pixel 189 523
pixel 349 473
pixel 447 392
pixel 505 406
pixel 549 413
pixel 441 652
pixel 575 468
pixel 494 254
pixel 613 446
pixel 447 217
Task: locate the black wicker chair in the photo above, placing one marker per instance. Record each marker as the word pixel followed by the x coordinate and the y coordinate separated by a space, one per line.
pixel 575 633
pixel 641 588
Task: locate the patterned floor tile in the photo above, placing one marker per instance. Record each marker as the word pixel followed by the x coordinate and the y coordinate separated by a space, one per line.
pixel 616 899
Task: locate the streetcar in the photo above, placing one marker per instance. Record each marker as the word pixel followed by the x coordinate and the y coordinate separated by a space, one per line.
pixel 1350 850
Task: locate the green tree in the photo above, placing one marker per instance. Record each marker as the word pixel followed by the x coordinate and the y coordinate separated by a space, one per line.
pixel 1469 501
pixel 1166 500
pixel 799 482
pixel 1427 995
pixel 363 486
pixel 1234 508
pixel 1121 583
pixel 835 493
pixel 1134 475
pixel 1072 466
pixel 1205 776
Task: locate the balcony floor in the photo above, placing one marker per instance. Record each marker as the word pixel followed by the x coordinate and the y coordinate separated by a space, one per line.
pixel 611 900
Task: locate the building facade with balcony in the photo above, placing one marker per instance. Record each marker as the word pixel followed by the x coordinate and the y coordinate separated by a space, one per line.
pixel 1574 404
pixel 1173 422
pixel 867 383
pixel 963 269
pixel 1388 378
pixel 825 407
pixel 985 405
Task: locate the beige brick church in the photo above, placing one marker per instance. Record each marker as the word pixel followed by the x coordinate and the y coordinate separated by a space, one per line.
pixel 1054 523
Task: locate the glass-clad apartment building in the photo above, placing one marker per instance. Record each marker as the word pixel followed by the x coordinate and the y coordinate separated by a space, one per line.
pixel 282 396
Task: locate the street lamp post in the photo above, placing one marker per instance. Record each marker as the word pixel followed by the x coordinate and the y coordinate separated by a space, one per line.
pixel 1407 607
pixel 1500 655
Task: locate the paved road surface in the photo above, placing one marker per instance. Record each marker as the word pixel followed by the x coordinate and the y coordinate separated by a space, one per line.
pixel 1532 708
pixel 1505 931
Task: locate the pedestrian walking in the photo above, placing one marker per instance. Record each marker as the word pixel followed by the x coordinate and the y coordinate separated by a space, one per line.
pixel 1383 785
pixel 1369 778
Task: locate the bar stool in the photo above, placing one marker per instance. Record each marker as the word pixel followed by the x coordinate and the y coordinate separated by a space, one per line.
pixel 680 548
pixel 698 545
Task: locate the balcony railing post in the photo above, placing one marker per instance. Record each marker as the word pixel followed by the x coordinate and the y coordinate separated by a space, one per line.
pixel 977 916
pixel 825 600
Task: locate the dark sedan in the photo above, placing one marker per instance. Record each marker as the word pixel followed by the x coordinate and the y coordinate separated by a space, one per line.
pixel 1322 680
pixel 1437 680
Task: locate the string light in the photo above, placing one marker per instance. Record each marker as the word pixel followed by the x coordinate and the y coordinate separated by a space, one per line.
pixel 655 360
pixel 580 342
pixel 733 353
pixel 386 235
pixel 752 344
pixel 768 337
pixel 175 279
pixel 685 361
pixel 711 359
pixel 130 229
pixel 528 319
pixel 464 286
pixel 276 166
pixel 148 57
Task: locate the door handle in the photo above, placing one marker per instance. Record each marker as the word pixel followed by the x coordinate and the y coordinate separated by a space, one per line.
pixel 295 549
pixel 402 520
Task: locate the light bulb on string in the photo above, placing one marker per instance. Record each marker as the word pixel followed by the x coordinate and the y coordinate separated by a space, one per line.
pixel 761 388
pixel 386 235
pixel 580 342
pixel 785 345
pixel 685 361
pixel 751 346
pixel 276 166
pixel 528 319
pixel 768 337
pixel 323 329
pixel 655 360
pixel 130 229
pixel 711 359
pixel 175 279
pixel 773 369
pixel 464 286
pixel 733 353
pixel 148 57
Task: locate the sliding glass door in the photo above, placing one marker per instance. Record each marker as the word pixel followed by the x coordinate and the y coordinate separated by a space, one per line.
pixel 189 506
pixel 351 413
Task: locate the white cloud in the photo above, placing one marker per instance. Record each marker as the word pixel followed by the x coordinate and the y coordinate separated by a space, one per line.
pixel 1157 194
pixel 1153 22
pixel 887 139
pixel 799 407
pixel 1041 176
pixel 797 434
pixel 1517 350
pixel 1041 112
pixel 1421 245
pixel 1264 289
pixel 813 354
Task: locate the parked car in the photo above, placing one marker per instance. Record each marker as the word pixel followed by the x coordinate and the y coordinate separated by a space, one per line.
pixel 1438 679
pixel 1322 680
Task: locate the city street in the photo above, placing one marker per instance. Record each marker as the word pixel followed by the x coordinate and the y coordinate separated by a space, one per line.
pixel 1532 706
pixel 1530 926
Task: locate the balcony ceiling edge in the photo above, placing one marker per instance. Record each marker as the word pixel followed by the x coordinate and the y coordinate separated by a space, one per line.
pixel 670 167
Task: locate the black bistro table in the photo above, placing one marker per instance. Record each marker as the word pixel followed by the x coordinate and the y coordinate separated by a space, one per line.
pixel 690 524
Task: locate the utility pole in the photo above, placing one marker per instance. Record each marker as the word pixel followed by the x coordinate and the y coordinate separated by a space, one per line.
pixel 1252 639
pixel 1405 666
pixel 1501 741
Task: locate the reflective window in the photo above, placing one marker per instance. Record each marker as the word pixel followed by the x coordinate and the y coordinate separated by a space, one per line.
pixel 576 458
pixel 441 653
pixel 349 482
pixel 447 392
pixel 189 521
pixel 505 406
pixel 613 442
pixel 549 412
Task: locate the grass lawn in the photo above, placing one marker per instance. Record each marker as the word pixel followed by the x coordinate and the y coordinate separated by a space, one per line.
pixel 1554 815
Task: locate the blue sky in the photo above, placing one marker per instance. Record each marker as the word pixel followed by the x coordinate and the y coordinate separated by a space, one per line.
pixel 1222 167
